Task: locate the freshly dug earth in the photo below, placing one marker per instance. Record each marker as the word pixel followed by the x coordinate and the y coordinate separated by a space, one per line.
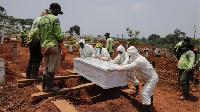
pixel 94 99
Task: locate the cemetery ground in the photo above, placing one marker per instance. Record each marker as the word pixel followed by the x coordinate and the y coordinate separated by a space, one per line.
pixel 93 99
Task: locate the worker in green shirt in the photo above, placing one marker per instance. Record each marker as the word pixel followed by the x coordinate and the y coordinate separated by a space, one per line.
pixel 185 65
pixel 177 52
pixel 51 41
pixel 33 65
pixel 23 35
pixel 109 43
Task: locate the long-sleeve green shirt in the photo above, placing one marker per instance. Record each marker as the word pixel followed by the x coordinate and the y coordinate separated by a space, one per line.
pixel 32 34
pixel 109 45
pixel 49 30
pixel 187 60
pixel 22 32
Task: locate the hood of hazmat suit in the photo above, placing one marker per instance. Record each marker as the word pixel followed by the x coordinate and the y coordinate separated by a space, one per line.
pixel 87 51
pixel 133 52
pixel 121 57
pixel 82 41
pixel 121 48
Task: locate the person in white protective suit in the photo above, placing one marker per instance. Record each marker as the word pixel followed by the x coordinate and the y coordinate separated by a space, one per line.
pixel 85 50
pixel 123 59
pixel 101 53
pixel 145 72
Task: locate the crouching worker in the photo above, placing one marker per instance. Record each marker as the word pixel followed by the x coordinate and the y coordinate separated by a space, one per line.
pixel 123 59
pixel 145 71
pixel 101 53
pixel 85 50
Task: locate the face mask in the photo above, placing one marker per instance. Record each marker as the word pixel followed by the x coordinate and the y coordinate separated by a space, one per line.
pixel 120 54
pixel 98 49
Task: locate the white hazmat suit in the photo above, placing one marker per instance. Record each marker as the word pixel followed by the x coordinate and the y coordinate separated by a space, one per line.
pixel 145 72
pixel 86 51
pixel 123 59
pixel 120 57
pixel 103 54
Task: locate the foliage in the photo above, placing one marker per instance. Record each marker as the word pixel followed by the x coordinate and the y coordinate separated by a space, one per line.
pixel 16 22
pixel 3 15
pixel 75 29
pixel 142 41
pixel 72 38
pixel 70 42
pixel 133 36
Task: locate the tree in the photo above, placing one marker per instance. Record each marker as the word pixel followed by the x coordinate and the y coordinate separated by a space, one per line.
pixel 153 37
pixel 75 28
pixel 137 33
pixel 130 32
pixel 10 20
pixel 3 15
pixel 142 41
pixel 133 36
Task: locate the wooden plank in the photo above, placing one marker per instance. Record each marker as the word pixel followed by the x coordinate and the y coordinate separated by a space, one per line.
pixel 39 80
pixel 23 74
pixel 64 106
pixel 28 80
pixel 39 86
pixel 40 95
pixel 71 71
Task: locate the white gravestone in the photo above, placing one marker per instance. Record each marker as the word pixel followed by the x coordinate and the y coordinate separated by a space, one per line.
pixel 2 72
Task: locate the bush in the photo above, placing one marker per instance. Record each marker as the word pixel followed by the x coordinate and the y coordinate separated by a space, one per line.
pixel 70 42
pixel 72 39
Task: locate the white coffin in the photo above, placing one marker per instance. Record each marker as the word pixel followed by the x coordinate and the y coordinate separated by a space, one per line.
pixel 95 71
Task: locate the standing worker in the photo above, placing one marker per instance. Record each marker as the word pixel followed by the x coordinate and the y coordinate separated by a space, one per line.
pixel 123 59
pixel 85 50
pixel 185 65
pixel 51 40
pixel 145 72
pixel 35 51
pixel 109 43
pixel 23 35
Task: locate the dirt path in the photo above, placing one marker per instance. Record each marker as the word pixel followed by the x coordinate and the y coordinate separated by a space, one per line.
pixel 15 99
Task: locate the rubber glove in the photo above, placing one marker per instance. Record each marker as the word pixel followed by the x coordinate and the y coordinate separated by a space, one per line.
pixel 63 49
pixel 111 69
pixel 104 58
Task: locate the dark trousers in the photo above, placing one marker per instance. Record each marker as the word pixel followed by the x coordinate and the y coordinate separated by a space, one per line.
pixel 33 65
pixel 23 43
pixel 184 81
pixel 35 53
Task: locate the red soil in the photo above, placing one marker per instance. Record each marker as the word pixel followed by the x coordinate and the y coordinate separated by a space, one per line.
pixel 94 99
